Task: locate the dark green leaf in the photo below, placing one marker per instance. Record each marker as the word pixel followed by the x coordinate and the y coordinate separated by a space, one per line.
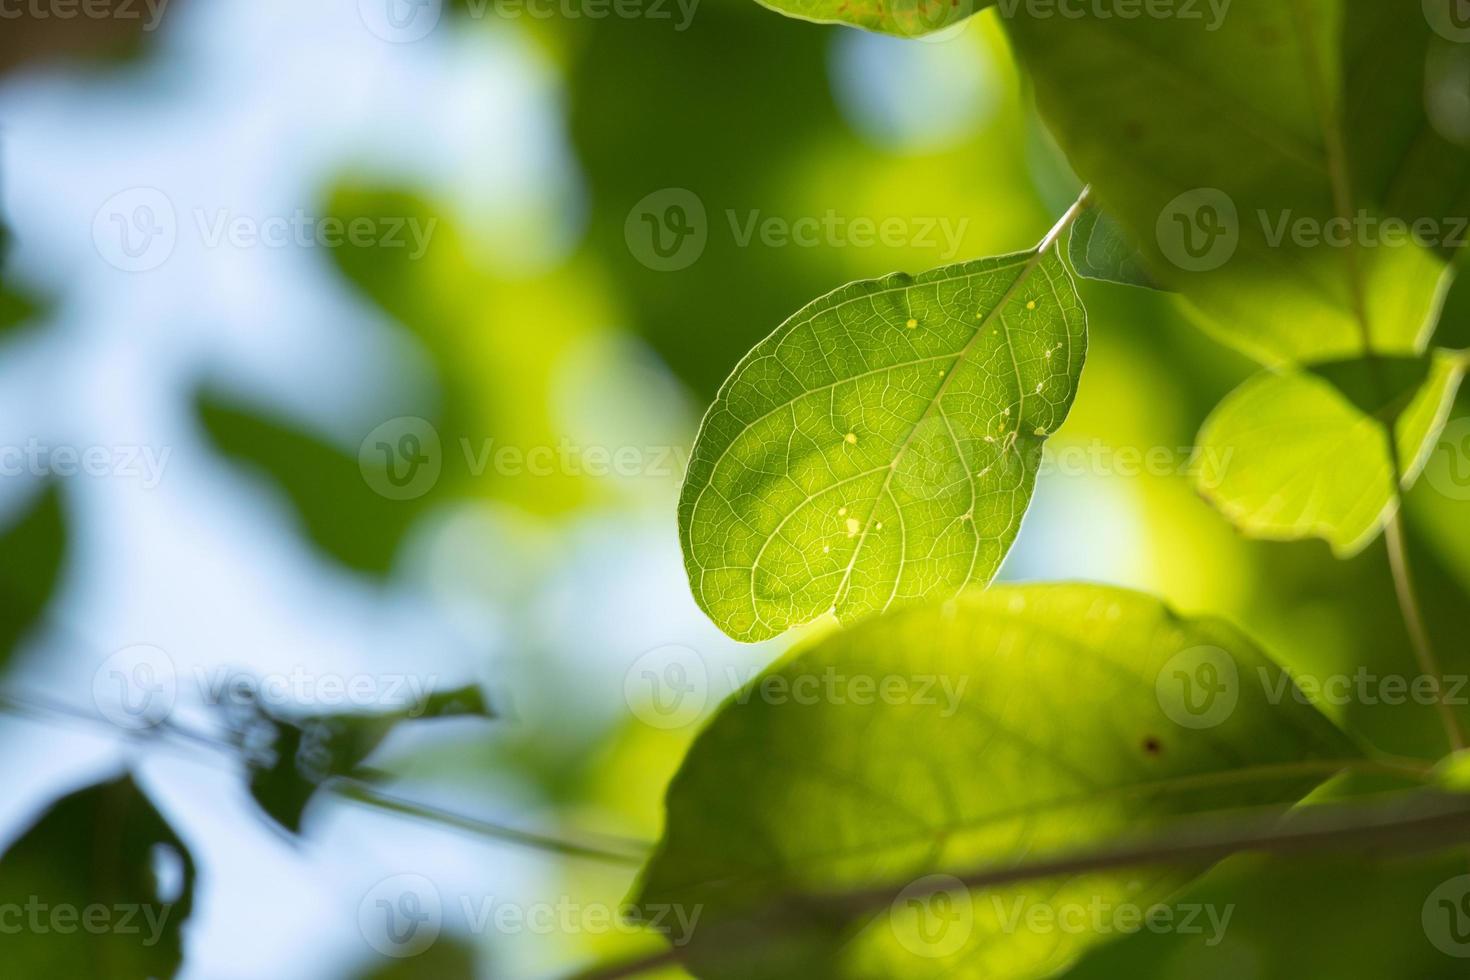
pixel 291 756
pixel 34 548
pixel 83 883
pixel 339 508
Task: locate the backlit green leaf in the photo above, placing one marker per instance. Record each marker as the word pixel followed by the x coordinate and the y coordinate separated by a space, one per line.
pixel 881 446
pixel 1306 453
pixel 1273 160
pixel 1010 724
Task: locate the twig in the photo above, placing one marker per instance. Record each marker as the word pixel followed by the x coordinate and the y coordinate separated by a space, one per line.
pixel 1424 822
pixel 1403 584
pixel 627 853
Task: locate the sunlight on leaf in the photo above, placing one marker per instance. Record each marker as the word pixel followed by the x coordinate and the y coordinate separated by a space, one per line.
pixel 1009 724
pixel 1309 452
pixel 881 446
pixel 1275 165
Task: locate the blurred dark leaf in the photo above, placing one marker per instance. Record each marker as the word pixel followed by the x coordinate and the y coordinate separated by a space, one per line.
pixel 110 30
pixel 340 511
pixel 33 547
pixel 291 757
pixel 15 310
pixel 730 109
pixel 85 877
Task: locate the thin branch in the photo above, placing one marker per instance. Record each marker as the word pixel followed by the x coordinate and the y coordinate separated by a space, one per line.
pixel 616 850
pixel 1424 822
pixel 1067 220
pixel 1403 584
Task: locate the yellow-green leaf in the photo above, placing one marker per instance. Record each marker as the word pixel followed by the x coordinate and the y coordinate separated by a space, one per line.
pixel 1306 453
pixel 1008 725
pixel 881 446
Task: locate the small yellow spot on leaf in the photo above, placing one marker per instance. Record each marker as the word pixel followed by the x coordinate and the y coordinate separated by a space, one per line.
pixel 850 438
pixel 853 527
pixel 912 323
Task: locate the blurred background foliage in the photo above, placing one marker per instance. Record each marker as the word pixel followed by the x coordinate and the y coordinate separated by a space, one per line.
pixel 529 321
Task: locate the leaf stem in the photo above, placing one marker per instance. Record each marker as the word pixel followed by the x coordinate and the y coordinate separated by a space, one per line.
pixel 618 851
pixel 1067 220
pixel 1403 584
